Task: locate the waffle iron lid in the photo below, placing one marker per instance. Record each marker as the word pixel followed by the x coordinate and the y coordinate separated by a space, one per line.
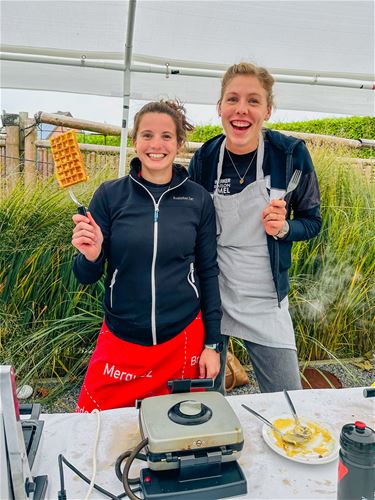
pixel 189 420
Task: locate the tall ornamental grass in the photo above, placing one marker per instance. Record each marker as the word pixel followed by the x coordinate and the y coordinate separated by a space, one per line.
pixel 332 277
pixel 49 323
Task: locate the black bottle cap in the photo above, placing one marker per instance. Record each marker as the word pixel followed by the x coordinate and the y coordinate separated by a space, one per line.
pixel 358 443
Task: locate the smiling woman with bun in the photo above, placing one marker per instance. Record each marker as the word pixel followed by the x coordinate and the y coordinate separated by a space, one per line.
pixel 247 171
pixel 152 234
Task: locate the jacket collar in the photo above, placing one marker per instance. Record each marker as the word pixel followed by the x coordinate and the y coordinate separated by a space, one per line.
pixel 179 173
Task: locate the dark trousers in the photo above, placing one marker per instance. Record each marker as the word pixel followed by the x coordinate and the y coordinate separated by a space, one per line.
pixel 275 368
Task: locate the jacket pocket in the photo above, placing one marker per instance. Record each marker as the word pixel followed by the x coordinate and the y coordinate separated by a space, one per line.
pixel 111 286
pixel 191 279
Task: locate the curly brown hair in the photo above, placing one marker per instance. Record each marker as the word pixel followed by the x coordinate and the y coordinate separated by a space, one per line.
pixel 174 109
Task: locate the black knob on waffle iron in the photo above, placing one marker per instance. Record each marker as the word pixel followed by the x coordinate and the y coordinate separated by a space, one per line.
pixel 189 412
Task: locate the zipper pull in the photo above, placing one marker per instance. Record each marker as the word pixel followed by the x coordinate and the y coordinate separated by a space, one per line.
pixel 156 214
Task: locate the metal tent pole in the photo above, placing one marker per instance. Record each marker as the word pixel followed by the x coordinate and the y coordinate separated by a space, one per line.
pixel 126 87
pixel 354 81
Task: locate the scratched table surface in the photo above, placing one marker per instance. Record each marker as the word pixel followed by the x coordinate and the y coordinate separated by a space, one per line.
pixel 269 475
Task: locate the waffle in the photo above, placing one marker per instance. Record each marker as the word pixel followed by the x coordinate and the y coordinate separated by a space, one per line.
pixel 69 165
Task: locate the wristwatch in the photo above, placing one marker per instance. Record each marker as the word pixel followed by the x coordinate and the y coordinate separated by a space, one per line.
pixel 215 347
pixel 283 232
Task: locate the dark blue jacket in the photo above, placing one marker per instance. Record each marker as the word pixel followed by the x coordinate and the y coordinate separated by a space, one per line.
pixel 282 155
pixel 161 258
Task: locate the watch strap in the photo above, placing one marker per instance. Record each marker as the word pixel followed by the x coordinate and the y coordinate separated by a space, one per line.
pixel 283 231
pixel 215 347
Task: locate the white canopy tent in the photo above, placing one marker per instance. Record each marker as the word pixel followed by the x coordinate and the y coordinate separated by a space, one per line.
pixel 299 38
pixel 321 52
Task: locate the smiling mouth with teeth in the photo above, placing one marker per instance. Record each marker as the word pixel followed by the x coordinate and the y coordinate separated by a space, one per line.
pixel 156 156
pixel 240 125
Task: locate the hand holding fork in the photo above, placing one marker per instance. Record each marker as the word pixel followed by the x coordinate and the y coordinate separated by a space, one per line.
pixel 273 216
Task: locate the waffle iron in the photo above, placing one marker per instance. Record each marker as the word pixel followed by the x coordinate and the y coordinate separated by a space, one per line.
pixel 194 442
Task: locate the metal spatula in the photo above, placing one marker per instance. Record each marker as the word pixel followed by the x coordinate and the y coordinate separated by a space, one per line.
pixel 81 209
pixel 299 429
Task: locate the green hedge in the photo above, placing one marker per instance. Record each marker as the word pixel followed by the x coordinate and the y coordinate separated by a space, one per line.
pixel 202 133
pixel 354 127
pixel 351 128
pixel 108 140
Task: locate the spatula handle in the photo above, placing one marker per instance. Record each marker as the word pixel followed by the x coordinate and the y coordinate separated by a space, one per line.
pixel 291 405
pixel 82 210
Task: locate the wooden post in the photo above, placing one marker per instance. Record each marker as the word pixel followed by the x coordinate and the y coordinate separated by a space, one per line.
pixel 30 137
pixel 2 157
pixel 12 143
pixel 22 119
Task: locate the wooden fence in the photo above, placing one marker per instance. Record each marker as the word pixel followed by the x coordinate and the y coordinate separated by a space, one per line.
pixel 24 156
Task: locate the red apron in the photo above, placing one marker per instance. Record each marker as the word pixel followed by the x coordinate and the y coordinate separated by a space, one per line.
pixel 121 372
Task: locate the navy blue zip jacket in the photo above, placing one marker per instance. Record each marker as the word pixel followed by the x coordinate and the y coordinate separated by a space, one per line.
pixel 161 258
pixel 282 155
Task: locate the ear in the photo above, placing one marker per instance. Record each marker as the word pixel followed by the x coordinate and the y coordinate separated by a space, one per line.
pixel 218 108
pixel 268 114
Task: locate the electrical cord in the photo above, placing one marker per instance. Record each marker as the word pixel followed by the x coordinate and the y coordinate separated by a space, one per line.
pixel 92 484
pixel 120 459
pixel 125 472
pixel 62 493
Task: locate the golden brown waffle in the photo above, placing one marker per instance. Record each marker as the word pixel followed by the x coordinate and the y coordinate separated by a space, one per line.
pixel 69 165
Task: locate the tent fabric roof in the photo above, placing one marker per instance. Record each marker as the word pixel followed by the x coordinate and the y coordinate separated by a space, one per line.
pixel 326 38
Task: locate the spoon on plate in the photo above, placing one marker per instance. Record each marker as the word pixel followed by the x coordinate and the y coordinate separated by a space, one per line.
pixel 299 429
pixel 288 436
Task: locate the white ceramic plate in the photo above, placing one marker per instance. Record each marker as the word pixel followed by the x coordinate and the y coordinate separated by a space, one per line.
pixel 322 448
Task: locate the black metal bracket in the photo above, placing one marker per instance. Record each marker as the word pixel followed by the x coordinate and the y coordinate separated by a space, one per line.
pixel 186 384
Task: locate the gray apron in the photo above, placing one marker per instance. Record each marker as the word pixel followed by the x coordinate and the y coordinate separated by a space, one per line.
pixel 248 293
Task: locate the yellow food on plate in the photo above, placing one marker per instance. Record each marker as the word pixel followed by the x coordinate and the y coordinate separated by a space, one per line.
pixel 319 445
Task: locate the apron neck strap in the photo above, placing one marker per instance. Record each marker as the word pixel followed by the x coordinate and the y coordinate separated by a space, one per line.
pixel 220 163
pixel 260 156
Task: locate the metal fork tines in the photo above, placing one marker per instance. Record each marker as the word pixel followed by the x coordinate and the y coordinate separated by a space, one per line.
pixel 293 183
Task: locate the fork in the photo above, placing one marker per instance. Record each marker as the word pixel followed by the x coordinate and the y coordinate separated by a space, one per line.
pixel 293 183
